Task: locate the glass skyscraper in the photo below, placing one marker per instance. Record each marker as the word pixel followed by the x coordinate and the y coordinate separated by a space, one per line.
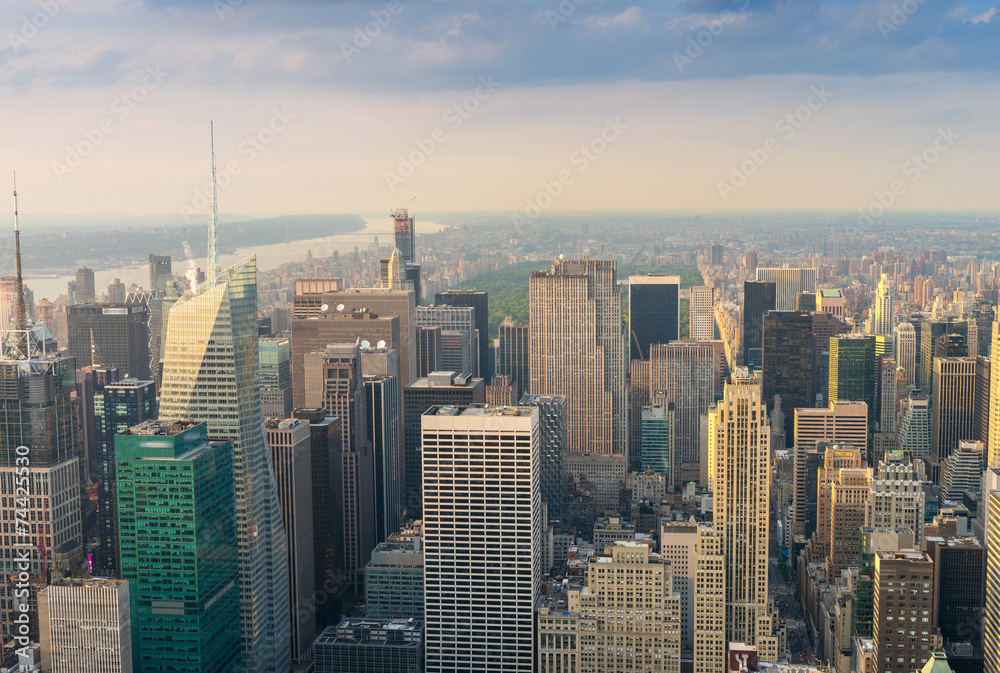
pixel 118 405
pixel 210 374
pixel 177 541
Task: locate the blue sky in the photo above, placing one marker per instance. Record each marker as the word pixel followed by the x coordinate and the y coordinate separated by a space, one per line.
pixel 314 115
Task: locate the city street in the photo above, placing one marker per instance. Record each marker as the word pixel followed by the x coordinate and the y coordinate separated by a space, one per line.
pixel 786 601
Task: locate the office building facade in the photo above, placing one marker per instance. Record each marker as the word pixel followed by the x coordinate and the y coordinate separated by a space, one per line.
pixel 177 534
pixel 579 349
pixel 112 335
pixel 209 374
pixel 788 282
pixel 477 512
pixel 478 300
pixel 653 312
pixel 701 314
pixel 513 355
pixel 758 298
pixel 85 625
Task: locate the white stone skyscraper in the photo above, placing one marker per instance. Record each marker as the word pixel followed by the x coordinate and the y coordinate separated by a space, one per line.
pixel 701 315
pixel 579 349
pixel 210 374
pixel 741 442
pixel 482 537
pixel 904 342
pixel 788 283
pixel 884 308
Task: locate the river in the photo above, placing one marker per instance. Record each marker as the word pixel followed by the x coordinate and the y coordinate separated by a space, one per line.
pixel 268 257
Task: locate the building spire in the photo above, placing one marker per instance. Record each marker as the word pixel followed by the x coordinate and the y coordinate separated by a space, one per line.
pixel 21 314
pixel 213 256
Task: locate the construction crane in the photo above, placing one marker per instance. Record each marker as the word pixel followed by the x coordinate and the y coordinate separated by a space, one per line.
pixel 396 211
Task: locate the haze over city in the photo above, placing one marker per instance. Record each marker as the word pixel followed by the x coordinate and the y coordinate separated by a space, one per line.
pixel 695 86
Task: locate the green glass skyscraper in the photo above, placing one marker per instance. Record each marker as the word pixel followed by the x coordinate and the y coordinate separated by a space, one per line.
pixel 211 375
pixel 177 547
pixel 852 371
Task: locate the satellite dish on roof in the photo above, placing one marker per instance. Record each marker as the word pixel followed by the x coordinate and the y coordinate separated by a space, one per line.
pixel 381 343
pixel 340 308
pixel 366 344
pixel 324 308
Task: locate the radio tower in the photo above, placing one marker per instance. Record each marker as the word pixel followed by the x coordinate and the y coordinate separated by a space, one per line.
pixel 17 346
pixel 213 256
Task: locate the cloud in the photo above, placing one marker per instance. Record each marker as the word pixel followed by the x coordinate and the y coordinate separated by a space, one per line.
pixel 985 16
pixel 633 16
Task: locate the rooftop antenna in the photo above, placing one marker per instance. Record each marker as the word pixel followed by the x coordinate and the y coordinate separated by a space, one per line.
pixel 213 257
pixel 21 316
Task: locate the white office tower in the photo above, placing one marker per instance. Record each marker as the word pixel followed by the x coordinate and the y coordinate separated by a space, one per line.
pixel 210 374
pixel 788 282
pixel 884 309
pixel 904 343
pixel 914 432
pixel 742 486
pixel 701 314
pixel 896 499
pixel 85 625
pixel 482 537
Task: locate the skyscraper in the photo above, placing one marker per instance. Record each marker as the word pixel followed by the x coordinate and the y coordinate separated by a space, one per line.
pixel 953 409
pixel 788 283
pixel 513 355
pixel 993 445
pixel 852 371
pixel 39 455
pixel 913 435
pixel 848 500
pixel 653 312
pixel 480 301
pixel 160 273
pixel 439 388
pixel 884 308
pixel 403 234
pixel 336 325
pixel 741 441
pixel 334 382
pixel 177 535
pixel 384 419
pixel 758 298
pixel 657 438
pixel 428 349
pixel 701 320
pixel 210 370
pixel 649 639
pixel 460 336
pixel 118 405
pixel 291 454
pixel 327 513
pixel 275 377
pixel 552 446
pixel 904 339
pixel 904 587
pixel 839 423
pixel 86 293
pixel 307 301
pixel 85 625
pixel 116 335
pixel 385 303
pixel 788 362
pixel 579 349
pixel 482 506
pixel 930 331
pixel 685 372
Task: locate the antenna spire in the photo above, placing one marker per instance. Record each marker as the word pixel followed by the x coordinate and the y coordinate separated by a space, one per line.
pixel 213 257
pixel 21 315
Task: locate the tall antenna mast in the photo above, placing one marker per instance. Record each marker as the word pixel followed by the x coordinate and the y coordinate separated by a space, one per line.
pixel 213 256
pixel 21 315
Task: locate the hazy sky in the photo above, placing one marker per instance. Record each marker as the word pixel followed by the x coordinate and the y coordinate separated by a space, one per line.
pixel 699 104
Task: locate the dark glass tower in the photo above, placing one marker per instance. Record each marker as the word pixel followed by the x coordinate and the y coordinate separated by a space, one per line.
pixel 759 297
pixel 788 363
pixel 403 234
pixel 118 405
pixel 653 312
